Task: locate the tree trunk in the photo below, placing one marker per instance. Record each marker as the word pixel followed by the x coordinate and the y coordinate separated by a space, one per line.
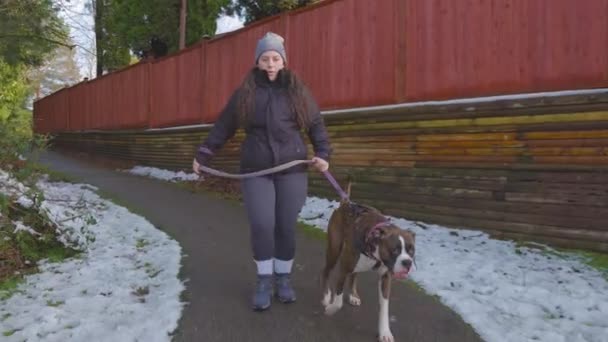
pixel 98 5
pixel 182 24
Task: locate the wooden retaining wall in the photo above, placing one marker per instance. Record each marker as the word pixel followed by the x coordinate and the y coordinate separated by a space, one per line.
pixel 534 169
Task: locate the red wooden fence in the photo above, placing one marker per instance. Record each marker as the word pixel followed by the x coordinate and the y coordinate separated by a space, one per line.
pixel 358 53
pixel 464 48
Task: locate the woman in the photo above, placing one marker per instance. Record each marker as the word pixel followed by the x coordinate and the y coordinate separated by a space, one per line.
pixel 273 106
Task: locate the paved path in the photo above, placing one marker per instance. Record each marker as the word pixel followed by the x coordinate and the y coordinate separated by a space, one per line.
pixel 220 272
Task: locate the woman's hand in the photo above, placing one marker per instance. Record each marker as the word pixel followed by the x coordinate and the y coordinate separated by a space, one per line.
pixel 196 166
pixel 320 164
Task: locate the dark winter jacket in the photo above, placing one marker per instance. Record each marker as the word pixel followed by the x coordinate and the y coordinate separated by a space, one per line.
pixel 272 132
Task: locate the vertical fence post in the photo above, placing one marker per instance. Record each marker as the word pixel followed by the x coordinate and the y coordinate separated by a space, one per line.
pixel 178 88
pixel 178 62
pixel 149 94
pixel 66 108
pixel 203 76
pixel 285 25
pixel 204 81
pixel 400 48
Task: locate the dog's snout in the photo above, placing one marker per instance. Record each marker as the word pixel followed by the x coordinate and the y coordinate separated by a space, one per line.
pixel 407 263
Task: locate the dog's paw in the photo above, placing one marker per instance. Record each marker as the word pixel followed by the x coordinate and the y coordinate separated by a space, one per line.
pixel 354 300
pixel 326 299
pixel 386 336
pixel 332 309
pixel 334 306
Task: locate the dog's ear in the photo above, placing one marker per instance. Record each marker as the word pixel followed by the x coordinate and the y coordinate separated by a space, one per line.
pixel 376 234
pixel 379 233
pixel 410 233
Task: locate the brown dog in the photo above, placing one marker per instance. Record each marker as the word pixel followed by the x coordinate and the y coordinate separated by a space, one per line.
pixel 362 239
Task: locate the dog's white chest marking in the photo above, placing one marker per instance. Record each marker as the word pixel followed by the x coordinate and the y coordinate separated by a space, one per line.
pixel 364 263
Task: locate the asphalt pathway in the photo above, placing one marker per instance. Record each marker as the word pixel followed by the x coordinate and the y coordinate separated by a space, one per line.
pixel 220 273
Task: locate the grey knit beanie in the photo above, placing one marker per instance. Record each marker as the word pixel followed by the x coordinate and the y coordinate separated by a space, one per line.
pixel 270 41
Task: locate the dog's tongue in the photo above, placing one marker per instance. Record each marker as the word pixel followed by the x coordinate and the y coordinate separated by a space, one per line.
pixel 401 275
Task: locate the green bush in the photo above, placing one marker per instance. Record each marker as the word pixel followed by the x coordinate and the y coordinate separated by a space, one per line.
pixel 16 134
pixel 20 251
pixel 17 139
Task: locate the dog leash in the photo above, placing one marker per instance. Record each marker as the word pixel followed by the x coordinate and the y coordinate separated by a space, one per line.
pixel 275 169
pixel 335 184
pixel 264 172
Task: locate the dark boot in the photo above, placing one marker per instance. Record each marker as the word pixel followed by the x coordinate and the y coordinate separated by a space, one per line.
pixel 262 293
pixel 284 290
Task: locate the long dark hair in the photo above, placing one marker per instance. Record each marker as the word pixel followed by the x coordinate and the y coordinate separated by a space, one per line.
pixel 298 93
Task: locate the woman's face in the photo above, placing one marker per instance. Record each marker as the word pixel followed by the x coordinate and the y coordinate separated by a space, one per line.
pixel 271 62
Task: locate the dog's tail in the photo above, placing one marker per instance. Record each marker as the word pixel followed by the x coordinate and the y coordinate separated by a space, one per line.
pixel 349 181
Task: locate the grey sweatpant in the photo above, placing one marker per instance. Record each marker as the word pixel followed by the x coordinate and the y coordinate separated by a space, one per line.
pixel 273 204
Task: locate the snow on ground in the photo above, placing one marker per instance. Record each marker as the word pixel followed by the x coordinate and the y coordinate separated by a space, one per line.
pixel 124 287
pixel 163 174
pixel 505 291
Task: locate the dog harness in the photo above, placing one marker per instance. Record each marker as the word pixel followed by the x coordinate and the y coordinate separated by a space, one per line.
pixel 367 244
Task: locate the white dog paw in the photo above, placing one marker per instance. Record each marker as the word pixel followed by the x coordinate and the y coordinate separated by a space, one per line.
pixel 354 301
pixel 386 336
pixel 332 308
pixel 335 305
pixel 326 298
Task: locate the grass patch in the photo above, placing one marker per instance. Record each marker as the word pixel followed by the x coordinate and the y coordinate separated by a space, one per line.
pixel 54 303
pixel 596 260
pixel 141 243
pixel 152 273
pixel 599 261
pixel 412 285
pixel 418 288
pixel 10 332
pixel 56 176
pixel 150 270
pixel 312 231
pixel 141 292
pixel 34 248
pixel 8 287
pixel 31 171
pixel 22 251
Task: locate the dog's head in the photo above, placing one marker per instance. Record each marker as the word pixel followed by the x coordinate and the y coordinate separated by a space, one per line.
pixel 396 249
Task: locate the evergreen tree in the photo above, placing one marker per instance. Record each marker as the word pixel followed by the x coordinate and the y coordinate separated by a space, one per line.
pixel 253 10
